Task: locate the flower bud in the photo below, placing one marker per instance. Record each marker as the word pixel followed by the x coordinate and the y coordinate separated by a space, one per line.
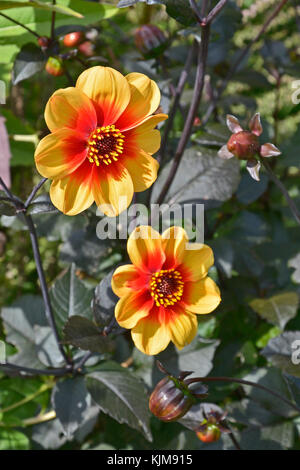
pixel 150 40
pixel 44 42
pixel 168 402
pixel 73 39
pixel 209 433
pixel 243 145
pixel 54 66
pixel 87 48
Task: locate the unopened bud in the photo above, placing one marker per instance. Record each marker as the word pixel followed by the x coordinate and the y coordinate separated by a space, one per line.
pixel 73 39
pixel 168 402
pixel 87 48
pixel 150 40
pixel 210 432
pixel 54 66
pixel 243 145
pixel 44 42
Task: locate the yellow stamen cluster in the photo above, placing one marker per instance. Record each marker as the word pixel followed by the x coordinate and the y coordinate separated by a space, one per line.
pixel 105 145
pixel 166 287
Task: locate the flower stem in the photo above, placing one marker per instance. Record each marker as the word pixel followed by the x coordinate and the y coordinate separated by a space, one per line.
pixel 34 191
pixel 22 369
pixel 282 188
pixel 243 382
pixel 198 88
pixel 178 92
pixel 20 24
pixel 20 208
pixel 53 22
pixel 43 284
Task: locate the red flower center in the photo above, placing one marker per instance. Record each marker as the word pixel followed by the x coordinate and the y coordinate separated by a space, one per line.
pixel 166 287
pixel 105 145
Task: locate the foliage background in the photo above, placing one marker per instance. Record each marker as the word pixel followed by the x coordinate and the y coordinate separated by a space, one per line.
pixel 253 234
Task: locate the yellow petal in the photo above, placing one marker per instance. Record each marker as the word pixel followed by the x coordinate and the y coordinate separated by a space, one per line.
pixel 70 107
pixel 174 241
pixel 197 260
pixel 112 194
pixel 145 249
pixel 121 279
pixel 72 194
pixel 143 170
pixel 201 297
pixel 132 308
pixel 183 329
pixel 60 153
pixel 108 88
pixel 144 136
pixel 150 336
pixel 145 99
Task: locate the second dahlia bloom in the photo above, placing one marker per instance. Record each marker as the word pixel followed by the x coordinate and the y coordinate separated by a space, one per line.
pixel 102 138
pixel 164 288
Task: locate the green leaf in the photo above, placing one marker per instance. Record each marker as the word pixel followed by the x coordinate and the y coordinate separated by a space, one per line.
pixel 13 440
pixel 178 9
pixel 278 309
pixel 120 395
pixel 71 401
pixel 7 4
pixel 29 61
pixel 104 302
pixel 70 296
pixel 202 176
pixel 284 352
pixel 41 204
pixel 197 357
pixel 40 20
pixel 19 321
pixel 84 248
pixel 83 334
pixel 49 435
pixel 250 190
pixel 273 379
pixel 277 437
pixel 6 207
pixel 46 347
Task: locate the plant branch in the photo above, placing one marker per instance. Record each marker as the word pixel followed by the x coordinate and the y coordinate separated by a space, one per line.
pixel 34 191
pixel 282 188
pixel 198 88
pixel 234 440
pixel 215 11
pixel 20 208
pixel 196 12
pixel 20 24
pixel 178 92
pixel 53 22
pixel 239 59
pixel 22 369
pixel 243 382
pixel 43 284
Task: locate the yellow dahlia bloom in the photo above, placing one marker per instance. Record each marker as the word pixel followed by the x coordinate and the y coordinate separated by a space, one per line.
pixel 101 142
pixel 164 288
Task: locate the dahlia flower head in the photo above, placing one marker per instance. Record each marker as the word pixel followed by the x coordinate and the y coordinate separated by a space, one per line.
pixel 101 142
